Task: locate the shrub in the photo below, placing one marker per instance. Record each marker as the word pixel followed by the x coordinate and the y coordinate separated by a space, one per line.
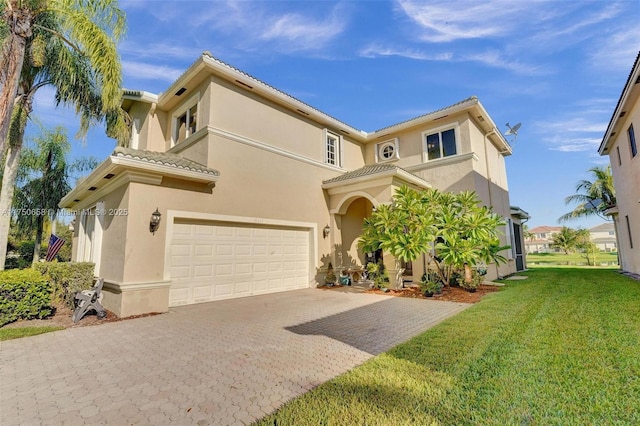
pixel 67 278
pixel 24 294
pixel 378 274
pixel 431 283
pixel 476 279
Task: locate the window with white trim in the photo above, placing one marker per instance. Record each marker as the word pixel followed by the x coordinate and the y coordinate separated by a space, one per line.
pixel 387 151
pixel 185 120
pixel 332 149
pixel 440 144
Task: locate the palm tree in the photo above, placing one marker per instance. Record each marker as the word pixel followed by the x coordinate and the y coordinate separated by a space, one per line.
pixel 593 197
pixel 53 62
pixel 90 27
pixel 565 240
pixel 45 176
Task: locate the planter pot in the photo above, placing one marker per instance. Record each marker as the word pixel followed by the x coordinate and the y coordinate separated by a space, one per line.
pixel 428 294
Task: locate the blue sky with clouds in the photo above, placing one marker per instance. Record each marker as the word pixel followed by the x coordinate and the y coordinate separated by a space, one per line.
pixel 558 67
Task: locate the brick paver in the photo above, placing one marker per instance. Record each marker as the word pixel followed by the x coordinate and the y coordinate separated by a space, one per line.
pixel 227 362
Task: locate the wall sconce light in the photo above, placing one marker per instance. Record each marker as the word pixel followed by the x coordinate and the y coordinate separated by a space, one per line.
pixel 325 231
pixel 154 223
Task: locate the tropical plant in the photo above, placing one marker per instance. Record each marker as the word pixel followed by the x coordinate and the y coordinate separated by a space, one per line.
pixel 90 27
pixel 593 197
pixel 55 60
pixel 453 229
pixel 586 246
pixel 45 182
pixel 565 240
pixel 403 228
pixel 430 283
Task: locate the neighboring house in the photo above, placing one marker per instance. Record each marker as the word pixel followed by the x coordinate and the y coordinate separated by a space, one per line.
pixel 604 236
pixel 541 239
pixel 620 143
pixel 259 191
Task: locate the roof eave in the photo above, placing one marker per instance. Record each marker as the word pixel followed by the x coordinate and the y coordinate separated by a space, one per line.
pixel 634 75
pixel 116 165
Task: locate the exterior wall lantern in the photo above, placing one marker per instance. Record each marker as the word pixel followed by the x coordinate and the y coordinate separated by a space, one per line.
pixel 325 231
pixel 154 223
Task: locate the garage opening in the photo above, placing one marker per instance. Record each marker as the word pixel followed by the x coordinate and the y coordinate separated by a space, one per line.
pixel 219 260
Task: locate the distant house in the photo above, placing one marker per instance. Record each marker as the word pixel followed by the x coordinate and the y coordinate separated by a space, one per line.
pixel 620 143
pixel 604 236
pixel 541 238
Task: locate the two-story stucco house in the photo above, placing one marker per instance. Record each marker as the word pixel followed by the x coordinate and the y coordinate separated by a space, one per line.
pixel 541 239
pixel 259 191
pixel 620 143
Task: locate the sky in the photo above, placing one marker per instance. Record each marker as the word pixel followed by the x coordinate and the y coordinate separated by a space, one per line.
pixel 557 67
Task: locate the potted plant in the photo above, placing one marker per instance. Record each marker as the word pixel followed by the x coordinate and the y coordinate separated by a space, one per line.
pixel 330 277
pixel 430 285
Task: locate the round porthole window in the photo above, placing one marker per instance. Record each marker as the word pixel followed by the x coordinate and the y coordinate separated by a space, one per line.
pixel 387 151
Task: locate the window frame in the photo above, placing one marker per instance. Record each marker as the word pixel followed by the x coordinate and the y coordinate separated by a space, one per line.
pixel 439 130
pixel 631 135
pixel 185 109
pixel 388 143
pixel 337 148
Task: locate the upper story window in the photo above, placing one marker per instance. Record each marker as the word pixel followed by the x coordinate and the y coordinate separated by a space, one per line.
pixel 387 151
pixel 185 120
pixel 332 149
pixel 632 141
pixel 440 144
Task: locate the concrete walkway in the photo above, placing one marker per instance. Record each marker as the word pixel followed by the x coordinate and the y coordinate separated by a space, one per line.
pixel 229 362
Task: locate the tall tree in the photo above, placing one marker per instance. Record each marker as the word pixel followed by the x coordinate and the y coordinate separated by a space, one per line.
pixel 44 181
pixel 53 61
pixel 565 240
pixel 91 27
pixel 593 197
pixel 453 229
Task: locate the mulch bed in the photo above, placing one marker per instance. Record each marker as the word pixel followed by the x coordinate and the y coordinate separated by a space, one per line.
pixel 62 318
pixel 453 294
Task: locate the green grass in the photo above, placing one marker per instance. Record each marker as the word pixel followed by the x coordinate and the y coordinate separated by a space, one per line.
pixel 16 333
pixel 560 348
pixel 555 259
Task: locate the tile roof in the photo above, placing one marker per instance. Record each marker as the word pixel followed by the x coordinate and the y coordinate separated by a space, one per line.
pixel 369 170
pixel 165 159
pixel 603 227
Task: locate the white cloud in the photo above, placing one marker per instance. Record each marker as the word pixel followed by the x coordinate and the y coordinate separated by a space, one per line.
pixel 446 21
pixel 575 144
pixel 491 58
pixel 303 33
pixel 145 71
pixel 375 50
pixel 155 50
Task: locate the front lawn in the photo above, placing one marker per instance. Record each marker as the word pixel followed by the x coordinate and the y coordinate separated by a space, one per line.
pixel 560 348
pixel 610 259
pixel 16 333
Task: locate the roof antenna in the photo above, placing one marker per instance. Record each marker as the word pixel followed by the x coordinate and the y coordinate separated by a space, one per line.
pixel 513 131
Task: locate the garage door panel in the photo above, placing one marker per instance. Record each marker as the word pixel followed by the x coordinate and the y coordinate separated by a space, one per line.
pixel 221 261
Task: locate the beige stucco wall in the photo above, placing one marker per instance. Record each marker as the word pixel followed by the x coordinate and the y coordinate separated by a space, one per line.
pixel 626 177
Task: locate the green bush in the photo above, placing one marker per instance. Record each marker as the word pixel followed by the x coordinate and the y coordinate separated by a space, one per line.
pixel 67 278
pixel 24 294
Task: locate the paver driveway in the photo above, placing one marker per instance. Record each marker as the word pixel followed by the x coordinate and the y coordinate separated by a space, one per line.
pixel 228 362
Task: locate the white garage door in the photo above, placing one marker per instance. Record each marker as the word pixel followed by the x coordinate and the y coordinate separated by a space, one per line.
pixel 215 261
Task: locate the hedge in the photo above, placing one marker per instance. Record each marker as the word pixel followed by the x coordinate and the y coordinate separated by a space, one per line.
pixel 24 294
pixel 67 278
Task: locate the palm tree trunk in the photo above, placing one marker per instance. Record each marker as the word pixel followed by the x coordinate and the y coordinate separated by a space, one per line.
pixel 38 242
pixel 19 22
pixel 18 126
pixel 6 198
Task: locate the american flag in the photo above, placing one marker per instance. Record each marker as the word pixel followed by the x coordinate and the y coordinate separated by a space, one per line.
pixel 55 244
